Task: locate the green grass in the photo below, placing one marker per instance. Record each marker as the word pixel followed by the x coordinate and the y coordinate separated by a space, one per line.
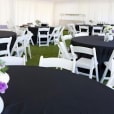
pixel 46 51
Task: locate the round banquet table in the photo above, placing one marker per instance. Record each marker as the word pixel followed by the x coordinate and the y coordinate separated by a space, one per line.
pixel 103 49
pixel 6 34
pixel 37 90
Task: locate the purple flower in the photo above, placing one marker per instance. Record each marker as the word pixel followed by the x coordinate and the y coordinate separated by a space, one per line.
pixel 3 87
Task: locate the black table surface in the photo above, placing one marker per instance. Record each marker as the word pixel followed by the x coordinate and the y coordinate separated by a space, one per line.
pixel 103 49
pixel 37 90
pixel 6 34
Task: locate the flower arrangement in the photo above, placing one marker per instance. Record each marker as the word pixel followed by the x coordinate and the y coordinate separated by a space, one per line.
pixel 108 29
pixel 4 77
pixel 3 87
pixel 37 22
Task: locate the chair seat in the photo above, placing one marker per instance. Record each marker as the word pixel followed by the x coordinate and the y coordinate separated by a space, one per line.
pixel 70 57
pixel 85 63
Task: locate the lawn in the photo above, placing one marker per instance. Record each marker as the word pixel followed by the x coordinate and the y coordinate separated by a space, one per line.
pixel 46 51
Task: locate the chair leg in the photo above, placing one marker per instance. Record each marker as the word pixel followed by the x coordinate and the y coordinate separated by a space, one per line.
pixel 90 74
pixel 29 52
pixel 104 75
pixel 97 77
pixel 32 41
pixel 76 70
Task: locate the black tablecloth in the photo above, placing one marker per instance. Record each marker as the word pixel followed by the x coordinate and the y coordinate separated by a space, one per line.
pixel 6 34
pixel 35 90
pixel 34 30
pixel 103 49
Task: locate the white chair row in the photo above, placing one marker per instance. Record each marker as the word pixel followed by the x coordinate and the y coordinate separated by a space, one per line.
pixel 83 62
pixel 44 38
pixel 84 30
pixel 22 45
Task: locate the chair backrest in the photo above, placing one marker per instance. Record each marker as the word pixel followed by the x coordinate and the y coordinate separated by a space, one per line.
pixel 28 38
pixel 12 60
pixel 110 60
pixel 57 63
pixel 97 30
pixel 56 31
pixel 84 29
pixel 110 82
pixel 43 32
pixel 61 31
pixel 66 37
pixel 1 105
pixel 56 34
pixel 19 47
pixel 71 29
pixel 63 50
pixel 84 50
pixel 7 42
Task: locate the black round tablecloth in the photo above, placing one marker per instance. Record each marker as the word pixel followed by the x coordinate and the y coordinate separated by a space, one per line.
pixel 103 49
pixel 6 34
pixel 36 90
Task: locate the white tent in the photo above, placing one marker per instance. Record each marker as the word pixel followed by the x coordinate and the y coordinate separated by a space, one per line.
pixel 50 11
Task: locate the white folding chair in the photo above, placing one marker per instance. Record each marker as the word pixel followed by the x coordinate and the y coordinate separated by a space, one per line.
pixel 27 41
pixel 56 34
pixel 108 65
pixel 71 29
pixel 65 38
pixel 12 60
pixel 22 46
pixel 1 105
pixel 6 42
pixel 19 49
pixel 43 36
pixel 57 63
pixel 84 30
pixel 110 82
pixel 96 30
pixel 63 52
pixel 26 31
pixel 84 62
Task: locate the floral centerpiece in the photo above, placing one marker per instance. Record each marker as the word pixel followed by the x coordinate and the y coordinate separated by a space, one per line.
pixel 37 22
pixel 108 29
pixel 108 33
pixel 4 77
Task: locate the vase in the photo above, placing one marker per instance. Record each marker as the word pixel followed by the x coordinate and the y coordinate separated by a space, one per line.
pixel 108 37
pixel 1 104
pixel 4 77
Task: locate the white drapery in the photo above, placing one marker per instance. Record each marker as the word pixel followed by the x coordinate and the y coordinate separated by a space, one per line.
pixel 21 12
pixel 101 11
